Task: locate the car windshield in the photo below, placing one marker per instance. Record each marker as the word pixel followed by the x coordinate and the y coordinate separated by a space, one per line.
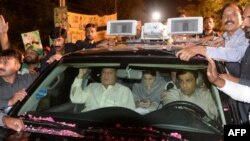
pixel 168 96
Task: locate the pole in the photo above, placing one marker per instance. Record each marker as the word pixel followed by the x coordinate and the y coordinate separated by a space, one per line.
pixel 62 3
pixel 115 6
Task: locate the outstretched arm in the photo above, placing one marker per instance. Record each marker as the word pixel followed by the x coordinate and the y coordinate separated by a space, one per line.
pixel 235 90
pixel 4 27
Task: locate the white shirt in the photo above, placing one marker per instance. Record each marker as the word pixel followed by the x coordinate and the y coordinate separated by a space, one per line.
pixel 95 95
pixel 234 49
pixel 1 119
pixel 236 91
pixel 202 98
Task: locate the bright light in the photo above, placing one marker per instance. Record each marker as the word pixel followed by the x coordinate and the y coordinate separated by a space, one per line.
pixel 156 16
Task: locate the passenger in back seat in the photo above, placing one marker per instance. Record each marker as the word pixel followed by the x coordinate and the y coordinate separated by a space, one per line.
pixel 147 93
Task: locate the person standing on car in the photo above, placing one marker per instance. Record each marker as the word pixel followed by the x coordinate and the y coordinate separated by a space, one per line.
pixel 189 90
pixel 147 94
pixel 12 84
pixel 108 93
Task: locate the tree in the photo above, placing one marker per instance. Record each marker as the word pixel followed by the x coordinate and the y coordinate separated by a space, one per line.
pixel 211 8
pixel 105 7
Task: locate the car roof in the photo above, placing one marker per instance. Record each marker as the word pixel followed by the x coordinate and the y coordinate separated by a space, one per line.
pixel 130 54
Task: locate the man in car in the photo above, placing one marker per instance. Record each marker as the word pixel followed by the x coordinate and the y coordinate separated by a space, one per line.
pixel 12 123
pixel 108 93
pixel 190 91
pixel 12 85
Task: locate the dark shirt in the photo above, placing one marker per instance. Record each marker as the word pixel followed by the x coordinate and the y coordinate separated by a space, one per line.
pixel 245 67
pixel 215 34
pixel 8 90
pixel 86 44
pixel 69 47
pixel 233 68
pixel 244 108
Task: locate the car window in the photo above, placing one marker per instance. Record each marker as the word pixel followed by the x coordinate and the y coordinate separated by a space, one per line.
pixel 58 85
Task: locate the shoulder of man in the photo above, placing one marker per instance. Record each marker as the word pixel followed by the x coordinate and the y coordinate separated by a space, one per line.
pixel 28 76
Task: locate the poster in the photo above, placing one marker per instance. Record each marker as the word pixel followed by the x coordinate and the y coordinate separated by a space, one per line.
pixel 32 39
pixel 75 23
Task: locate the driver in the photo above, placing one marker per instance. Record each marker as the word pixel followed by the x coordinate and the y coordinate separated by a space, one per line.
pixel 189 91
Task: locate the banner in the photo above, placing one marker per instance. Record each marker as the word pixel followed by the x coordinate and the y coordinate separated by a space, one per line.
pixel 77 23
pixel 61 17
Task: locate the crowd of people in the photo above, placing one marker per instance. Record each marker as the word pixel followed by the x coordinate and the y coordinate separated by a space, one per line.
pixel 232 48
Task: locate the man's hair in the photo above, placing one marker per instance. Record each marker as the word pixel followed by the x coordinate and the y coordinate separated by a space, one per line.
pixel 180 13
pixel 11 53
pixel 231 4
pixel 181 72
pixel 150 71
pixel 58 32
pixel 207 17
pixel 90 25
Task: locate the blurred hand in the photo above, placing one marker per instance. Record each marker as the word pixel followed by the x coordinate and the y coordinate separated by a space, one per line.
pixel 18 96
pixel 189 52
pixel 4 26
pixel 206 39
pixel 13 123
pixel 82 72
pixel 212 73
pixel 145 103
pixel 33 71
pixel 219 42
pixel 53 58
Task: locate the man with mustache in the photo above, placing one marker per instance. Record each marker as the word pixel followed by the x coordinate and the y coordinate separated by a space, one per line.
pixel 234 40
pixel 59 48
pixel 12 85
pixel 237 87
